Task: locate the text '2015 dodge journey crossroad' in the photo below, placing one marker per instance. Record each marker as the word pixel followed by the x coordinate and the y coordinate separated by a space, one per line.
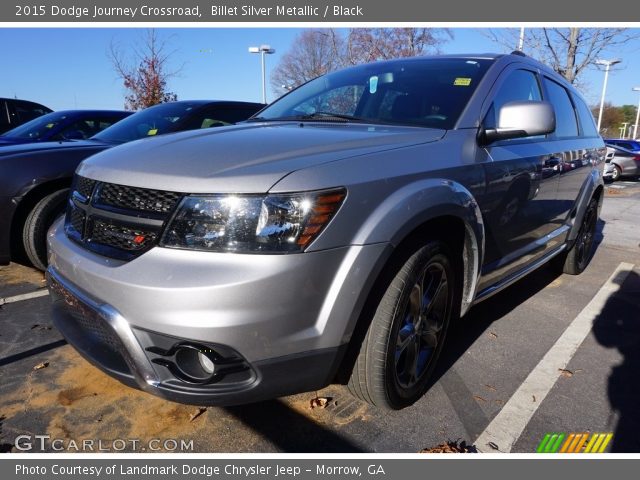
pixel 333 237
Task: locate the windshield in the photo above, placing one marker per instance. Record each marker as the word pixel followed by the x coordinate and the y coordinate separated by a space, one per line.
pixel 427 92
pixel 37 128
pixel 147 123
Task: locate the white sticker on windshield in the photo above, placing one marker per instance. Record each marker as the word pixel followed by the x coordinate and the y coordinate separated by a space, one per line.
pixel 373 84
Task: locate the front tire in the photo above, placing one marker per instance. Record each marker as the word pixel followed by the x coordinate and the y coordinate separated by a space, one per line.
pixel 616 174
pixel 40 218
pixel 405 338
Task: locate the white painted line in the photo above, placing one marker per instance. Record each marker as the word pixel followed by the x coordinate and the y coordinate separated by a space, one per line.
pixel 505 429
pixel 24 296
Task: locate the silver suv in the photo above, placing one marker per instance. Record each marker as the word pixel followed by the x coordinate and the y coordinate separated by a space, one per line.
pixel 333 237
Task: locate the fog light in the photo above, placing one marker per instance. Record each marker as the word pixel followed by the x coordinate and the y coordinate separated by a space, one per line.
pixel 206 363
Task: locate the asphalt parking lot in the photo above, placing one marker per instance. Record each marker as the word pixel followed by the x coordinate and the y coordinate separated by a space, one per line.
pixel 507 347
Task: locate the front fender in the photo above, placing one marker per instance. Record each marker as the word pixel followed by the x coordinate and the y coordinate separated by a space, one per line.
pixel 417 203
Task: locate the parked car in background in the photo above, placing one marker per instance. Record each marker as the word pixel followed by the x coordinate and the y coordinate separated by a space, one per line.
pixel 14 112
pixel 633 145
pixel 35 177
pixel 63 125
pixel 335 235
pixel 621 162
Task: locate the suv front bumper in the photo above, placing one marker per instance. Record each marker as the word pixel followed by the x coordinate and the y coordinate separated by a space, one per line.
pixel 283 320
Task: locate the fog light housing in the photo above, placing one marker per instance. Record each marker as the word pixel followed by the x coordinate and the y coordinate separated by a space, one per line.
pixel 206 363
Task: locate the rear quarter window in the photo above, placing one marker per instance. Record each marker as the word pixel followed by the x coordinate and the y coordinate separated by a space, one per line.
pixel 587 121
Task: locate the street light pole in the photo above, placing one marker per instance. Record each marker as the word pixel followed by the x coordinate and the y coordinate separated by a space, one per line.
pixel 635 128
pixel 521 40
pixel 607 64
pixel 263 50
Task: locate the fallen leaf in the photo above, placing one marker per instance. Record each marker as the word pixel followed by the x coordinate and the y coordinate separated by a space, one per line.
pixel 40 366
pixel 498 401
pixel 319 402
pixel 451 447
pixel 479 398
pixel 491 387
pixel 493 445
pixel 37 326
pixel 565 373
pixel 493 335
pixel 197 413
pixel 534 398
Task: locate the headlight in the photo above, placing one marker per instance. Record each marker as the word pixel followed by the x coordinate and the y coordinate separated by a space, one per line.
pixel 252 223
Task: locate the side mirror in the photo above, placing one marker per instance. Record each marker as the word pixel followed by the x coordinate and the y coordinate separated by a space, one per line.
pixel 521 119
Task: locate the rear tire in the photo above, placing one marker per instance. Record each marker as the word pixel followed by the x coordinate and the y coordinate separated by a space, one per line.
pixel 579 256
pixel 37 223
pixel 405 338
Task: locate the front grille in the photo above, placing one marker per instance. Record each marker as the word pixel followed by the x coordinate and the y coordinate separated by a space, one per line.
pixel 122 237
pixel 76 220
pixel 116 220
pixel 133 198
pixel 84 186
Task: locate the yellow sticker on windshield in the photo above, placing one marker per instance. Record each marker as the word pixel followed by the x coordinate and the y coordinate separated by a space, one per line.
pixel 462 82
pixel 153 131
pixel 49 125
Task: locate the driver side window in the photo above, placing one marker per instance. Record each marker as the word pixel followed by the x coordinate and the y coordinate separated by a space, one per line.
pixel 520 85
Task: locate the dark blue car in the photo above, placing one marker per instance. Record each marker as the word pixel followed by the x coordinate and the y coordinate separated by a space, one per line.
pixel 63 125
pixel 632 145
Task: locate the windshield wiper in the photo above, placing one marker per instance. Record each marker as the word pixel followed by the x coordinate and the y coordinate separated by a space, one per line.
pixel 331 116
pixel 321 116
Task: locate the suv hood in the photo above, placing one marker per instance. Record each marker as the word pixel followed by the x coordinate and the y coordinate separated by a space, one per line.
pixel 246 158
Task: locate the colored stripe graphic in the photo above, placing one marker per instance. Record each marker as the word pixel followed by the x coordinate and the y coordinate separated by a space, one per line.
pixel 574 442
pixel 581 442
pixel 592 442
pixel 606 441
pixel 567 442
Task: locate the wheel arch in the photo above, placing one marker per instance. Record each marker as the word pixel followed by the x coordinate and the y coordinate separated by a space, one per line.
pixel 459 225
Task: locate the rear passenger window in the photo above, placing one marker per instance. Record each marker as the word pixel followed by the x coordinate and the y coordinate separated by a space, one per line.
pixel 520 85
pixel 566 125
pixel 587 122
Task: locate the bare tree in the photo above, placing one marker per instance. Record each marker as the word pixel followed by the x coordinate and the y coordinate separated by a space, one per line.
pixel 316 52
pixel 144 72
pixel 371 44
pixel 569 51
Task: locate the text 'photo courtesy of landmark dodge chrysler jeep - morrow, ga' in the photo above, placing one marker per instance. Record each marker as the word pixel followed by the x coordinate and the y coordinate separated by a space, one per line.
pixel 333 237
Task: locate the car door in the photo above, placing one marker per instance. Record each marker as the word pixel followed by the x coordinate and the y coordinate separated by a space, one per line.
pixel 520 205
pixel 574 144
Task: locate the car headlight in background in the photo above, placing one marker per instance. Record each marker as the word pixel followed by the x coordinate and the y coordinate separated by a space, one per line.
pixel 252 223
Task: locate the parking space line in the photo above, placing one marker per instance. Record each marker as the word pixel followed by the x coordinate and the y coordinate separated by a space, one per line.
pixel 24 296
pixel 505 429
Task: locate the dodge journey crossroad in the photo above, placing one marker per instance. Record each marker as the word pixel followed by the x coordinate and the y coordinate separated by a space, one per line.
pixel 333 237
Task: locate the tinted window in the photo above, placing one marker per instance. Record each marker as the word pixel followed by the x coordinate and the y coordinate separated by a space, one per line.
pixel 587 122
pixel 566 125
pixel 152 121
pixel 424 92
pixel 4 114
pixel 520 85
pixel 218 117
pixel 39 127
pixel 28 111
